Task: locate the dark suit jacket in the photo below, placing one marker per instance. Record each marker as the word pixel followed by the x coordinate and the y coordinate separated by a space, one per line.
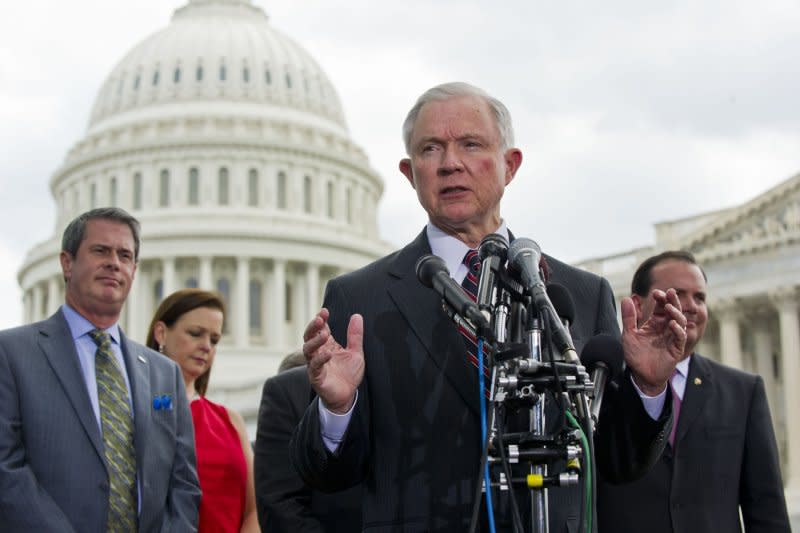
pixel 414 436
pixel 52 467
pixel 284 502
pixel 725 456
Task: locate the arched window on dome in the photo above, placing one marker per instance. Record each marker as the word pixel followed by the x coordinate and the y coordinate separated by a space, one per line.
pixel 252 188
pixel 307 194
pixel 93 196
pixel 176 76
pixel 191 283
pixel 136 81
pixel 245 74
pixel 329 199
pixel 281 196
pixel 288 81
pixel 163 188
pixel 198 73
pixel 137 191
pixel 155 77
pixel 348 205
pixel 287 307
pixel 256 304
pixel 112 192
pixel 223 72
pixel 223 186
pixel 194 187
pixel 224 290
pixel 267 75
pixel 158 291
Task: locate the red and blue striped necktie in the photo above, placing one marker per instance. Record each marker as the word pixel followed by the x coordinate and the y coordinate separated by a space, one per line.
pixel 470 285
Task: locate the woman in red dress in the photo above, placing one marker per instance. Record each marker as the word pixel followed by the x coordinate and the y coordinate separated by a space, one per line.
pixel 187 327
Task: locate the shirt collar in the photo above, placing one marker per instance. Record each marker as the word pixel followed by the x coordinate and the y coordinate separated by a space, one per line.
pixel 683 367
pixel 449 248
pixel 79 326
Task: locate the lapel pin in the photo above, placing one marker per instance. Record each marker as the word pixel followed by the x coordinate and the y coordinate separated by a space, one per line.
pixel 698 381
pixel 142 359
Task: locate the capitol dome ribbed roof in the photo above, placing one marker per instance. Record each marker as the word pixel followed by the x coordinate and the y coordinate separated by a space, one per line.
pixel 220 50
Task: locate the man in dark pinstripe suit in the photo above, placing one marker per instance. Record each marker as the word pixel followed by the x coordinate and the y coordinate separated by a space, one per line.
pixel 398 404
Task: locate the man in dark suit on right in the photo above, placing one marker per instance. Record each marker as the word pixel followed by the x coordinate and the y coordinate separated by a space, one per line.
pixel 722 454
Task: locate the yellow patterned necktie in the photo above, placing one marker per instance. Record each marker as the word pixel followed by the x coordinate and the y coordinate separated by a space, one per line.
pixel 117 424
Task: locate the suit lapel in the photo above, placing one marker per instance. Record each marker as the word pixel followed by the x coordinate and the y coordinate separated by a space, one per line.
pixel 421 307
pixel 138 368
pixel 697 392
pixel 56 342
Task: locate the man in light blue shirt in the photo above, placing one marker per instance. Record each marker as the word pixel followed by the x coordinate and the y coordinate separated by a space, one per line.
pixel 95 431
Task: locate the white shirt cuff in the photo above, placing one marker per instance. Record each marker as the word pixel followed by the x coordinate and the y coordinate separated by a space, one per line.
pixel 332 426
pixel 652 404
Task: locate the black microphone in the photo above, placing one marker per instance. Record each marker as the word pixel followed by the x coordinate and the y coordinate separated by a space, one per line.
pixel 604 357
pixel 524 255
pixel 432 272
pixel 562 303
pixel 492 252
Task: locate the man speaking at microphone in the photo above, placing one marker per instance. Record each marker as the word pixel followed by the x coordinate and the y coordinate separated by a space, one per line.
pixel 398 395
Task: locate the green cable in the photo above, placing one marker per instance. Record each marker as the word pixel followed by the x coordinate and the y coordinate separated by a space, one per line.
pixel 588 470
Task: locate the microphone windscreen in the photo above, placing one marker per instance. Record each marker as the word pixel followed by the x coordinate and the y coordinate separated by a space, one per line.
pixel 605 349
pixel 493 245
pixel 428 266
pixel 562 301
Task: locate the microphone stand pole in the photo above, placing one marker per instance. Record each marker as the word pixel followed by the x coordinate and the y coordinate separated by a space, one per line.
pixel 539 505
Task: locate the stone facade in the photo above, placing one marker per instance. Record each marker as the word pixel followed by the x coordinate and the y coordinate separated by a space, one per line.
pixel 751 255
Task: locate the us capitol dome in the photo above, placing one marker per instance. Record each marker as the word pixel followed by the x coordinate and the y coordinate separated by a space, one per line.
pixel 228 142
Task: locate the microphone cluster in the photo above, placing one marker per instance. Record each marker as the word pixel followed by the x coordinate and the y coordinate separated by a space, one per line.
pixel 524 322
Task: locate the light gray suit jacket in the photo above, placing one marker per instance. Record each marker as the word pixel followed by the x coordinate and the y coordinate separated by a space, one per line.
pixel 52 468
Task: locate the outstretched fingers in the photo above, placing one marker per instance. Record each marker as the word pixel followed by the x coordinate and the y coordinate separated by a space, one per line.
pixel 355 333
pixel 629 316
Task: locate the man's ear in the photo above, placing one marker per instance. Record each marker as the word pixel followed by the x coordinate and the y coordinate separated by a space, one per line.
pixel 66 265
pixel 637 301
pixel 513 159
pixel 408 172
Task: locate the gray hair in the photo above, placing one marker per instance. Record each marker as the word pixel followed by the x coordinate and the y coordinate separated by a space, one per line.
pixel 293 360
pixel 76 230
pixel 457 89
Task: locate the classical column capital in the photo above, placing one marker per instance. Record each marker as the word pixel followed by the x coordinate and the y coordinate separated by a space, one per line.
pixel 784 298
pixel 726 309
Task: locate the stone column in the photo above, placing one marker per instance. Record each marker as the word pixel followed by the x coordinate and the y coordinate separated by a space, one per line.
pixel 786 303
pixel 276 317
pixel 167 276
pixel 312 291
pixel 206 281
pixel 53 294
pixel 27 307
pixel 762 342
pixel 241 314
pixel 730 345
pixel 37 310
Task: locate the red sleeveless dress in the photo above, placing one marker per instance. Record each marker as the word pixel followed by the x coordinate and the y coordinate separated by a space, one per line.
pixel 221 468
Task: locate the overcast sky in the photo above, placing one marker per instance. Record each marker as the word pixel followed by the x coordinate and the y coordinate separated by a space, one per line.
pixel 628 113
